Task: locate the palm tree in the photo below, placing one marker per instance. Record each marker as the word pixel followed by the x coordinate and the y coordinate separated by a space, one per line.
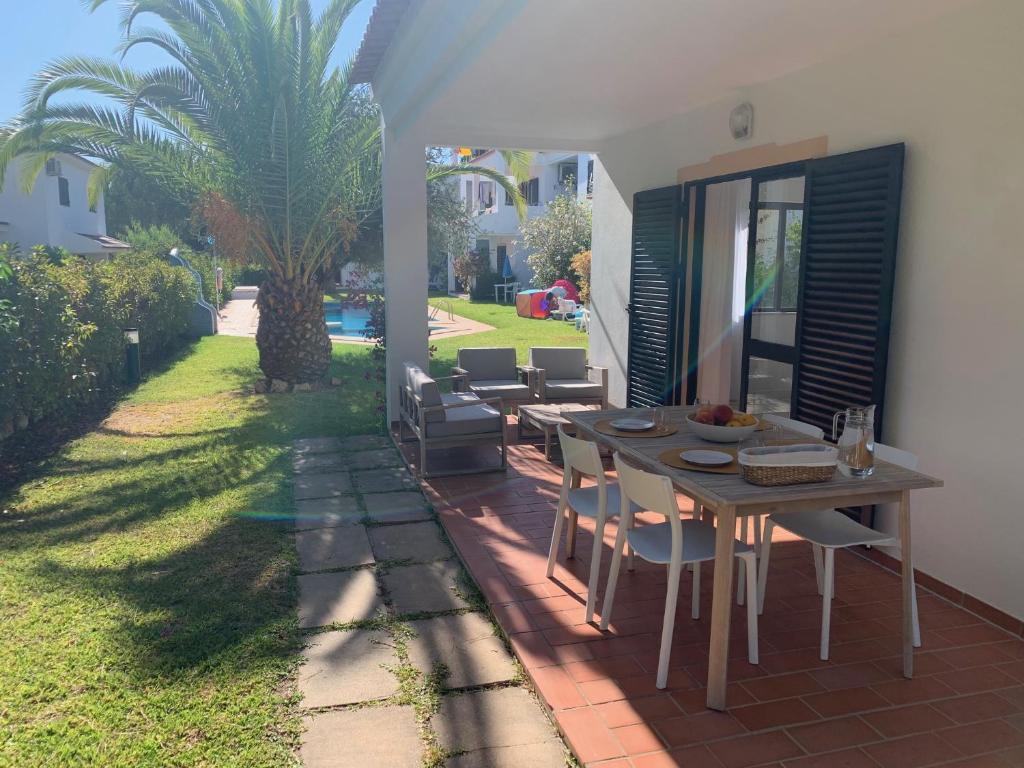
pixel 277 152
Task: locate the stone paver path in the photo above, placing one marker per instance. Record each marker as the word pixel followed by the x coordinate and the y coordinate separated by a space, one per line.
pixel 399 669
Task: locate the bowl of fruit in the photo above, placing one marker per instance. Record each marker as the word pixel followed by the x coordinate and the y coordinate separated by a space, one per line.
pixel 721 424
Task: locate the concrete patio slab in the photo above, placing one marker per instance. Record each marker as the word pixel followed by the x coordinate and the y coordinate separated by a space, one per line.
pixel 339 547
pixel 388 479
pixel 419 542
pixel 466 645
pixel 504 717
pixel 327 598
pixel 312 445
pixel 374 458
pixel 307 464
pixel 363 442
pixel 324 513
pixel 397 507
pixel 356 737
pixel 546 754
pixel 347 667
pixel 322 486
pixel 430 587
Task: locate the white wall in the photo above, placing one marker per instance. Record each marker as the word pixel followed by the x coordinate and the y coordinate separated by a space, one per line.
pixel 952 90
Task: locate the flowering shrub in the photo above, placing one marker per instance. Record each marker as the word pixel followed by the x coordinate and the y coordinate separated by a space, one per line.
pixel 61 328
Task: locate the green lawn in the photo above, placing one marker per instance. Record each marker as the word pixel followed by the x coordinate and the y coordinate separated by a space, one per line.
pixel 510 330
pixel 147 591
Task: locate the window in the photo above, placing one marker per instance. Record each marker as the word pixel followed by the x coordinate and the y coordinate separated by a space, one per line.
pixel 777 256
pixel 590 177
pixel 64 191
pixel 485 193
pixel 566 171
pixel 530 190
pixel 508 198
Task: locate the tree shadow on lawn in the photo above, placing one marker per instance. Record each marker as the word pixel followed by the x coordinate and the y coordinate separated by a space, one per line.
pixel 224 603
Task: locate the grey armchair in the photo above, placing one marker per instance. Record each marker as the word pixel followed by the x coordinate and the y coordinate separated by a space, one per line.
pixel 446 420
pixel 563 375
pixel 492 372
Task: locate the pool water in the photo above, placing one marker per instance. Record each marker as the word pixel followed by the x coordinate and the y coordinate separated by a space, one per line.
pixel 346 322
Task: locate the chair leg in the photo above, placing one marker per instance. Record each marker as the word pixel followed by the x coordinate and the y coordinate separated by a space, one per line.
pixel 668 623
pixel 570 537
pixel 816 551
pixel 695 597
pixel 913 616
pixel 556 535
pixel 762 572
pixel 613 577
pixel 749 567
pixel 741 581
pixel 826 602
pixel 595 566
pixel 756 522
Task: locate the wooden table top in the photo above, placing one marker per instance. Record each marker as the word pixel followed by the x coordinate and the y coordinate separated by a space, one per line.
pixel 716 490
pixel 551 413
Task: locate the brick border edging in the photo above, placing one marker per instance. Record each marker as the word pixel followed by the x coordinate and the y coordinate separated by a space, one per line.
pixel 947 592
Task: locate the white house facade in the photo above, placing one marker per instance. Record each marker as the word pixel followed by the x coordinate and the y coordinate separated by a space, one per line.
pixel 56 212
pixel 495 214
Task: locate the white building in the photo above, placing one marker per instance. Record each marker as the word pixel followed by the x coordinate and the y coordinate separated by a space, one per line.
pixel 56 212
pixel 496 215
pixel 651 94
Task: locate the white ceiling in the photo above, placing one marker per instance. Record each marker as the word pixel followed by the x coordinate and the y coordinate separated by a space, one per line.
pixel 541 73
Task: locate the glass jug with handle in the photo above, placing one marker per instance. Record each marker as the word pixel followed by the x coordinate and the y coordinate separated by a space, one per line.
pixel 857 443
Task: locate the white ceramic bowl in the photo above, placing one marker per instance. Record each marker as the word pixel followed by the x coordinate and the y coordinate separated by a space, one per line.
pixel 718 434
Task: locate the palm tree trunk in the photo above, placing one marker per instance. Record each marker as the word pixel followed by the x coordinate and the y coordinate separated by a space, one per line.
pixel 292 335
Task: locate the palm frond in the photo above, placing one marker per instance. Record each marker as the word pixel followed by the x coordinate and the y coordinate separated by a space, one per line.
pixel 443 171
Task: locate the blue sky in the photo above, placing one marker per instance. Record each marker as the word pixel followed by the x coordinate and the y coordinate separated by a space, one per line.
pixel 36 31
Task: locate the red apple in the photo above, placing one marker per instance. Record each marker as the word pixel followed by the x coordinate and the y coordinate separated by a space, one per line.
pixel 704 417
pixel 706 410
pixel 721 414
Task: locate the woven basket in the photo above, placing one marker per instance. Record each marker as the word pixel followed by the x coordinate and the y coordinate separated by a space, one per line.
pixel 819 469
pixel 792 475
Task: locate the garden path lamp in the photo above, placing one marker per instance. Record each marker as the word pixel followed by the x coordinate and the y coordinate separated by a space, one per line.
pixel 133 362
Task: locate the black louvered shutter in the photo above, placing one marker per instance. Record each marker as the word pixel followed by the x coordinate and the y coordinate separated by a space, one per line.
pixel 848 258
pixel 654 291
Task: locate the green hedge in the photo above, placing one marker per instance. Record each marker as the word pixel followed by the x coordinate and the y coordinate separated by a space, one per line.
pixel 157 241
pixel 61 328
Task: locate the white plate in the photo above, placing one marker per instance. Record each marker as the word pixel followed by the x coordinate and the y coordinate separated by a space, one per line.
pixel 633 425
pixel 706 458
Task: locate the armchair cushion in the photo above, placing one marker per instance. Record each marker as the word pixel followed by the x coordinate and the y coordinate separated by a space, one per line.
pixel 425 388
pixel 469 420
pixel 505 389
pixel 570 389
pixel 560 362
pixel 488 363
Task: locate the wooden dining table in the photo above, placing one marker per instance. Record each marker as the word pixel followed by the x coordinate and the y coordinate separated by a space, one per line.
pixel 728 497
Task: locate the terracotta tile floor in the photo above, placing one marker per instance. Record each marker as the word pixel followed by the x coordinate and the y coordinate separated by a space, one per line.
pixel 965 707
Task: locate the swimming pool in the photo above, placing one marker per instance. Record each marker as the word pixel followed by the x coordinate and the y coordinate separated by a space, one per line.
pixel 346 321
pixel 349 321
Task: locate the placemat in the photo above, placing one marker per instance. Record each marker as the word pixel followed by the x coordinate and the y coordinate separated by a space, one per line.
pixel 673 459
pixel 606 428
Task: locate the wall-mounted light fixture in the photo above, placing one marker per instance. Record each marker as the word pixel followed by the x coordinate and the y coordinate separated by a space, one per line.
pixel 741 121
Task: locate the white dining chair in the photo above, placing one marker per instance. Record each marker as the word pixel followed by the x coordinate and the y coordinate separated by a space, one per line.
pixel 598 502
pixel 674 543
pixel 828 530
pixel 793 425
